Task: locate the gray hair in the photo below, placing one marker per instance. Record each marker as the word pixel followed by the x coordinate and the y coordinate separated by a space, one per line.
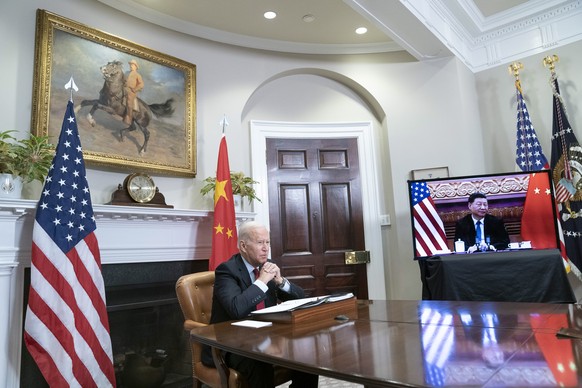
pixel 246 229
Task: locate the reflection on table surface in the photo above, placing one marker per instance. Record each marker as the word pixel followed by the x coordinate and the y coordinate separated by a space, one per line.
pixel 423 343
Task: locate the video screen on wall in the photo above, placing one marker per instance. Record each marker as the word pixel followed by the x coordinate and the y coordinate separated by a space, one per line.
pixel 517 210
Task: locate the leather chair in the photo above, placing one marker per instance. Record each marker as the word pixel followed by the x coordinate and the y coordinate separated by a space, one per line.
pixel 194 293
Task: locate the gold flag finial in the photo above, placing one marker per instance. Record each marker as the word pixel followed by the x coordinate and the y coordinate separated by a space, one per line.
pixel 550 62
pixel 514 69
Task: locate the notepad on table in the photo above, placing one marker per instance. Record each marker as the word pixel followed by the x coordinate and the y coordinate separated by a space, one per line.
pixel 253 324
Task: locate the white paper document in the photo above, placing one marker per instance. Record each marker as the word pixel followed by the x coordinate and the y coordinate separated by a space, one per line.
pixel 253 324
pixel 302 303
pixel 337 298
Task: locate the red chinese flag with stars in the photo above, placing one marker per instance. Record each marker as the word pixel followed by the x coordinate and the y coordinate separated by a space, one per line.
pixel 537 212
pixel 557 351
pixel 224 238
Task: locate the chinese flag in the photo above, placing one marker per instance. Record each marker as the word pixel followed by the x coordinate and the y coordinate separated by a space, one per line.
pixel 558 352
pixel 224 239
pixel 536 222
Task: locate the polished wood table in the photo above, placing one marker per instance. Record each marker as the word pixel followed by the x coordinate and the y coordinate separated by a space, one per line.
pixel 422 344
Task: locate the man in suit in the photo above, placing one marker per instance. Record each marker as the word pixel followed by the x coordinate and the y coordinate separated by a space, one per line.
pixel 133 85
pixel 479 230
pixel 244 283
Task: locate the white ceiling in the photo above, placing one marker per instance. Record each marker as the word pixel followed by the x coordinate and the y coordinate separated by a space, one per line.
pixel 482 33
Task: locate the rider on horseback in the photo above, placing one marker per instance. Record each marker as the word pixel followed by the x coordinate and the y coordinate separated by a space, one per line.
pixel 118 93
pixel 133 84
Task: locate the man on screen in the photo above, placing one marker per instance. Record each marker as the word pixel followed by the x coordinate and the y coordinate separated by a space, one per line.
pixel 481 231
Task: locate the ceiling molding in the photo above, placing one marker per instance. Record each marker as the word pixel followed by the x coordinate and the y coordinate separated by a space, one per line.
pixel 525 32
pixel 402 26
pixel 132 8
pixel 426 29
pixel 508 16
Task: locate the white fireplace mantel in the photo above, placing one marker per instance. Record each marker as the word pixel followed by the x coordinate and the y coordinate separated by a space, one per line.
pixel 126 234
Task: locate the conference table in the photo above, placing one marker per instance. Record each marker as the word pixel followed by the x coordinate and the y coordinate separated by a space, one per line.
pixel 512 276
pixel 422 344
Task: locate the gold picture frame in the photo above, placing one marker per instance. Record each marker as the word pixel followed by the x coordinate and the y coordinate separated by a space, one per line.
pixel 430 173
pixel 99 64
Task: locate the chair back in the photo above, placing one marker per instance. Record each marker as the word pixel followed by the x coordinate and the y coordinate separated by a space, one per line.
pixel 194 293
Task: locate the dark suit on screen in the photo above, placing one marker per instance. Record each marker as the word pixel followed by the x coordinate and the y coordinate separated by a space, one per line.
pixel 494 229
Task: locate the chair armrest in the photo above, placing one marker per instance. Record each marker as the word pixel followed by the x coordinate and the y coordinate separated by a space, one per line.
pixel 189 325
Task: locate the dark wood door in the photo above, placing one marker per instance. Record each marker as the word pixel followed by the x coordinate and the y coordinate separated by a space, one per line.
pixel 315 211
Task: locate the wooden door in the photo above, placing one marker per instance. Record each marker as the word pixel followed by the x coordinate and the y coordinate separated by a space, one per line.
pixel 315 212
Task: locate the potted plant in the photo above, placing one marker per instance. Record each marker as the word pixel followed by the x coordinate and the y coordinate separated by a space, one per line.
pixel 241 185
pixel 23 161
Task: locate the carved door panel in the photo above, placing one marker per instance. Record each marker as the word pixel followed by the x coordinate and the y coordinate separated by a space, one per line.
pixel 315 211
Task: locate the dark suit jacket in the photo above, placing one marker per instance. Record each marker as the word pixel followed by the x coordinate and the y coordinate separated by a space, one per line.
pixel 235 295
pixel 494 229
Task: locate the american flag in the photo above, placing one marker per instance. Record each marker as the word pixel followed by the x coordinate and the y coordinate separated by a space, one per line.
pixel 438 345
pixel 429 231
pixel 66 326
pixel 529 155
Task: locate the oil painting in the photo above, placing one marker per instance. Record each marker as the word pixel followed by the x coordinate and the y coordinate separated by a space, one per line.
pixel 135 107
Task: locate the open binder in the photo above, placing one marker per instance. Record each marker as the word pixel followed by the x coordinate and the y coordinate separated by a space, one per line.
pixel 309 309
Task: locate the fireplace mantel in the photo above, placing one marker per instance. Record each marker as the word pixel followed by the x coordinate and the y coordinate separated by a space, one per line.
pixel 126 234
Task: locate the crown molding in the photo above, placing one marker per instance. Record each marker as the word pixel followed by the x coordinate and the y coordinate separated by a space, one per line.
pixel 425 29
pixel 484 42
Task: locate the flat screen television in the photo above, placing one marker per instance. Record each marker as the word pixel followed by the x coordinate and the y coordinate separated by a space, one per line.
pixel 524 201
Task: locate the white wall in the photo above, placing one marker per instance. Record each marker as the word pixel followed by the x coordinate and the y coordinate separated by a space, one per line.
pixel 499 107
pixel 497 101
pixel 424 114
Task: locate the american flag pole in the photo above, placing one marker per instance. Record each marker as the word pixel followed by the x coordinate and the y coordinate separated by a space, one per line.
pixel 71 85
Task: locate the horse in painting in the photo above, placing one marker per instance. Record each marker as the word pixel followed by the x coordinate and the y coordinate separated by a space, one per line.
pixel 112 100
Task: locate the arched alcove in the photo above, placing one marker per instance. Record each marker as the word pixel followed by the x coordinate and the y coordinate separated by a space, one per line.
pixel 310 103
pixel 339 82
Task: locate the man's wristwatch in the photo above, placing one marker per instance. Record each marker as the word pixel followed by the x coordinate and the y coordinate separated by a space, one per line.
pixel 283 282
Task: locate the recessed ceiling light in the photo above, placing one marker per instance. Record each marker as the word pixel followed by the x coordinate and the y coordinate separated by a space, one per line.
pixel 361 30
pixel 270 15
pixel 308 18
